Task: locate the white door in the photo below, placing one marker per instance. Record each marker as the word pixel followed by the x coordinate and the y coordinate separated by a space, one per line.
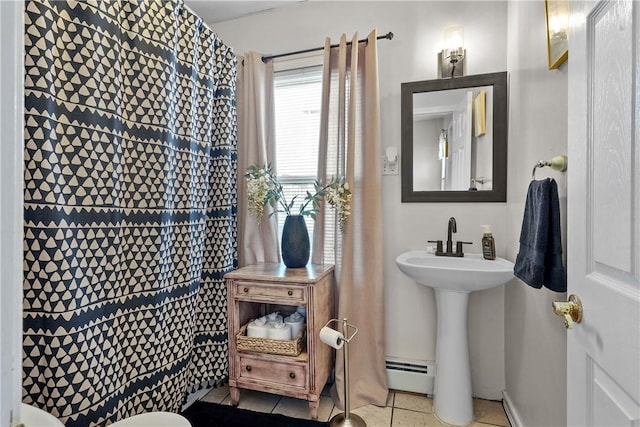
pixel 603 199
pixel 460 144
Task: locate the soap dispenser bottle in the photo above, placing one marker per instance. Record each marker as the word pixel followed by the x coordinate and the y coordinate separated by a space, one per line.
pixel 488 244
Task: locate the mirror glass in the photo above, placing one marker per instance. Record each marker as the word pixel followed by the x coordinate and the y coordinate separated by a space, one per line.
pixel 454 139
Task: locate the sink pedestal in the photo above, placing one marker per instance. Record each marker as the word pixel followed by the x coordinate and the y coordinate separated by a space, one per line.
pixel 453 402
pixel 453 279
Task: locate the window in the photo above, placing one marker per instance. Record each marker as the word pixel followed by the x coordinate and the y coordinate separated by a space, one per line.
pixel 298 97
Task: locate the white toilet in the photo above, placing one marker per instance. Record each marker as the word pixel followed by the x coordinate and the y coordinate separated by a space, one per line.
pixel 35 417
pixel 155 419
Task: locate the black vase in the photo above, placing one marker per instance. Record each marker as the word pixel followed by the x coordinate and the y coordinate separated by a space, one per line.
pixel 295 242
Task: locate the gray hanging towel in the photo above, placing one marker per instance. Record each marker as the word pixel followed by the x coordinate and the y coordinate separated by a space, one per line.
pixel 539 261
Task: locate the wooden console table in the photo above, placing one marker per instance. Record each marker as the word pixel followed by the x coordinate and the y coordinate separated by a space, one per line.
pixel 260 289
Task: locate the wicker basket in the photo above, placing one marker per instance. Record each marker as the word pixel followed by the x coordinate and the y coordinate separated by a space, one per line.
pixel 265 345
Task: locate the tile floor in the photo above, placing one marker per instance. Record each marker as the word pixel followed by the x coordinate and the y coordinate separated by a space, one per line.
pixel 403 409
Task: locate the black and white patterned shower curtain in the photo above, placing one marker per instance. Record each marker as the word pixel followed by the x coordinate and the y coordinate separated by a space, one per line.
pixel 130 207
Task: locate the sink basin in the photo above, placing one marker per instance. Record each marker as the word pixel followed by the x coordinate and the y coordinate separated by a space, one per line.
pixel 466 274
pixel 453 280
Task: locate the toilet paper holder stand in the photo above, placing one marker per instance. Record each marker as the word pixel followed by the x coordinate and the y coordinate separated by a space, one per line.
pixel 345 325
pixel 346 419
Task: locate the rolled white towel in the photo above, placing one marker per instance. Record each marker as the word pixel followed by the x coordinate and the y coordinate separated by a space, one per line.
pixel 296 320
pixel 274 317
pixel 302 310
pixel 258 328
pixel 279 331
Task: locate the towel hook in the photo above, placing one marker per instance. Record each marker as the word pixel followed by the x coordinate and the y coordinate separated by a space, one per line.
pixel 558 163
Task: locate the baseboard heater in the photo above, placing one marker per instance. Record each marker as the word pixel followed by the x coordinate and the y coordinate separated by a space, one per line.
pixel 411 375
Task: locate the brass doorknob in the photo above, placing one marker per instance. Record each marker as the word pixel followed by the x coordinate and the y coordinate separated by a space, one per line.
pixel 570 310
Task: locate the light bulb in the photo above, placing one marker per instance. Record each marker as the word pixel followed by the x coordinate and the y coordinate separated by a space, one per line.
pixel 454 37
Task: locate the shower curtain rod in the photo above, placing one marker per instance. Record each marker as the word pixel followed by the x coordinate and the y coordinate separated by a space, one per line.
pixel 266 59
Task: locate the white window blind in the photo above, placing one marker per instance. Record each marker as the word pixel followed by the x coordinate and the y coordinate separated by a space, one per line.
pixel 298 97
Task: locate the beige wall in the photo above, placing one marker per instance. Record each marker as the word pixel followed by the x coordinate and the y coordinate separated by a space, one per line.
pixel 535 348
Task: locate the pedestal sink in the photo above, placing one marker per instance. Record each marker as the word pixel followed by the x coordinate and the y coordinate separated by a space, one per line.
pixel 452 280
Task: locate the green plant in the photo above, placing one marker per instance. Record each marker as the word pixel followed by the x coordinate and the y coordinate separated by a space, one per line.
pixel 263 187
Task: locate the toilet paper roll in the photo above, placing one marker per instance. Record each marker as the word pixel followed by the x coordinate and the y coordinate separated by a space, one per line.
pixel 331 337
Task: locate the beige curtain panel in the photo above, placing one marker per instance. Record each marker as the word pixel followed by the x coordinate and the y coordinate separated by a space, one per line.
pixel 256 145
pixel 350 146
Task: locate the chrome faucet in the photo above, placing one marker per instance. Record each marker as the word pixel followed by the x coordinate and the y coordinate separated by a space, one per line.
pixel 451 228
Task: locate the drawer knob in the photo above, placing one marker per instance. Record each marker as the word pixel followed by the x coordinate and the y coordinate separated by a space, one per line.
pixel 290 293
pixel 292 375
pixel 246 289
pixel 248 368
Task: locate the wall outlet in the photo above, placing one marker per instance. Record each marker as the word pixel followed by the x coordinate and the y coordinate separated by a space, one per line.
pixel 389 168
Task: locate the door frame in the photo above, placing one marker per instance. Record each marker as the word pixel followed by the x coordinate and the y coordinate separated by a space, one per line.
pixel 11 200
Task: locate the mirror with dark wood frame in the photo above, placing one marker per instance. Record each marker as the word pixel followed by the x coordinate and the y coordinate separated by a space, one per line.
pixel 454 139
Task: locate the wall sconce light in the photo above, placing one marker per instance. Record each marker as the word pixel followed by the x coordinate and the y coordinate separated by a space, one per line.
pixel 451 61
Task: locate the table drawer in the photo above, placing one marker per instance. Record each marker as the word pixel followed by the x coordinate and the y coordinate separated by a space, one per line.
pixel 290 374
pixel 279 293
